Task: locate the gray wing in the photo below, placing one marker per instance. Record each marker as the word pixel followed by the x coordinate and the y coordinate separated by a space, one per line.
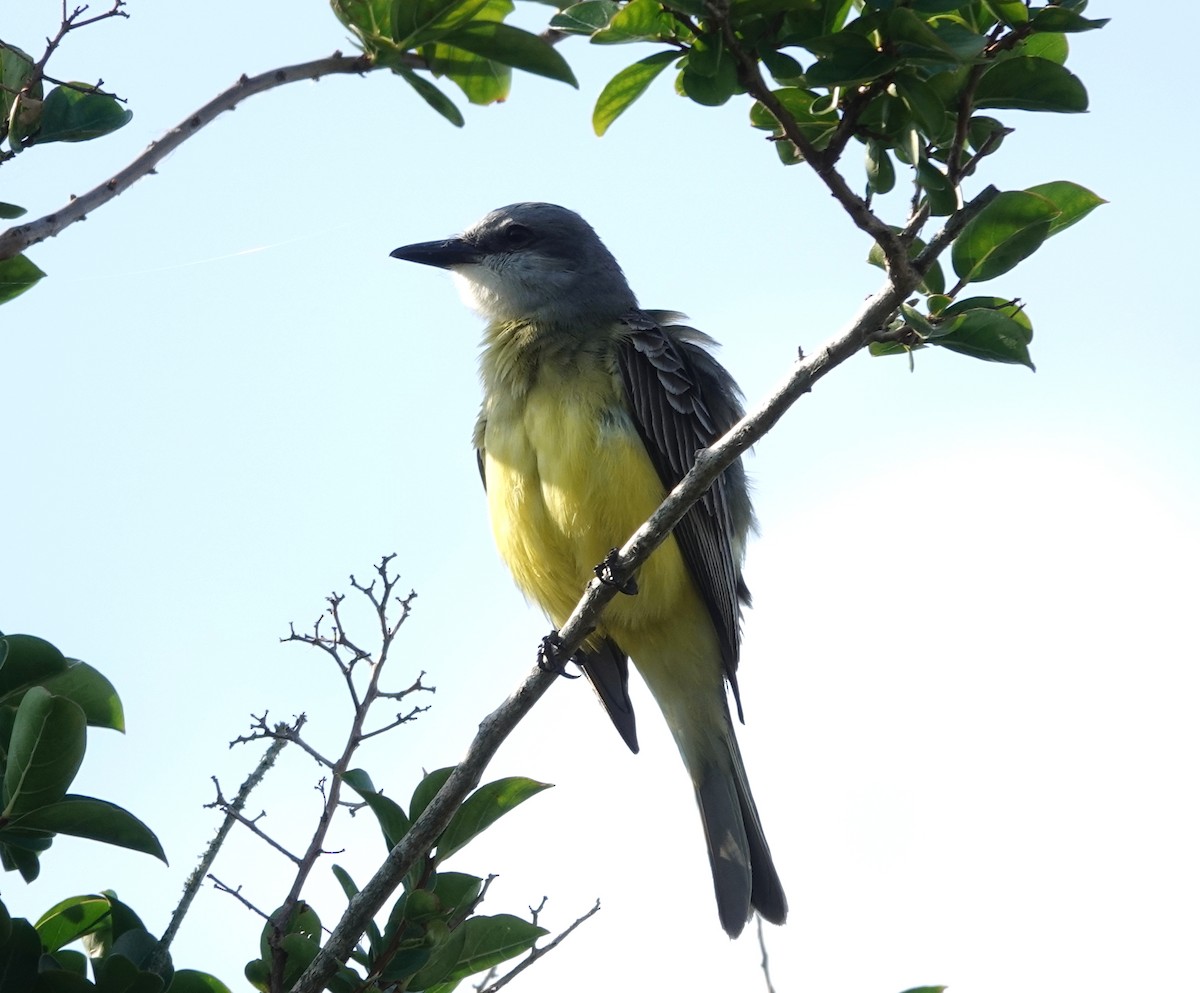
pixel 606 667
pixel 683 401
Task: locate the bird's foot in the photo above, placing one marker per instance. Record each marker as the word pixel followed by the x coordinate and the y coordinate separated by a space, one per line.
pixel 606 573
pixel 548 656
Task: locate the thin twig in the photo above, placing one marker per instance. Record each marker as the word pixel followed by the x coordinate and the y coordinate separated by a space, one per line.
pixel 236 894
pixel 196 879
pixel 537 953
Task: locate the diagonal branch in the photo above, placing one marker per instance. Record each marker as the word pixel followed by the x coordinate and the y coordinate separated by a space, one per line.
pixel 710 463
pixel 19 237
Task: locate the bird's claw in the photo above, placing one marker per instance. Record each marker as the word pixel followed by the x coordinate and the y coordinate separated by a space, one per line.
pixel 547 656
pixel 606 573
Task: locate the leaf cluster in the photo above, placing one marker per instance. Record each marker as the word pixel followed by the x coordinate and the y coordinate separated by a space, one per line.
pixel 904 79
pixel 432 938
pixel 465 41
pixel 47 703
pixel 31 114
pixel 124 956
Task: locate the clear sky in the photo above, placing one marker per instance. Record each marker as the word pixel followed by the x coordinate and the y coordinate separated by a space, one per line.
pixel 970 672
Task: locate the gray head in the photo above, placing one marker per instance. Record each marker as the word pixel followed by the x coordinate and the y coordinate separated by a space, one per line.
pixel 532 261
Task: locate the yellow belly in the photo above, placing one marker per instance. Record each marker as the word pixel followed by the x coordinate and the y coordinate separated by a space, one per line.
pixel 568 479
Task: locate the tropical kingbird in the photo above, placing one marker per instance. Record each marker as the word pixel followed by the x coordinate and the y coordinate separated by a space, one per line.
pixel 593 409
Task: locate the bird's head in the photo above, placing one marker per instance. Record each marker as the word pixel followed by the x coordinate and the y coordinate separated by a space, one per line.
pixel 531 262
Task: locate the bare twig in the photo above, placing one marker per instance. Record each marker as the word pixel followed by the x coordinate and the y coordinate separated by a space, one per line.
pixel 196 879
pixel 236 893
pixel 250 823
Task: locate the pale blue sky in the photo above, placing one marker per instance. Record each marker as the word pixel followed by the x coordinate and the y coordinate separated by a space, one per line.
pixel 969 675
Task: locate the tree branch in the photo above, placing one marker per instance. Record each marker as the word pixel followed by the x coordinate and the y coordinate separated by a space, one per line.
pixel 19 237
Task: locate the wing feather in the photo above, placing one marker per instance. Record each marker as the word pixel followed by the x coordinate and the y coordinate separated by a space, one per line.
pixel 682 401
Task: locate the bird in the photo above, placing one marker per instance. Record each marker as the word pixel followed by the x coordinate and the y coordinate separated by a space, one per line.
pixel 593 409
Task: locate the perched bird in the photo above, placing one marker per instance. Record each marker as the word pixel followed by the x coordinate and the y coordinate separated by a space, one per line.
pixel 593 409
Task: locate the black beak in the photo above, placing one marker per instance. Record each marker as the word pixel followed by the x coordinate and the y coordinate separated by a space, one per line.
pixel 443 254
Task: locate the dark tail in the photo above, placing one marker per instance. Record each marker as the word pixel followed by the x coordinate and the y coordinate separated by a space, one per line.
pixel 744 875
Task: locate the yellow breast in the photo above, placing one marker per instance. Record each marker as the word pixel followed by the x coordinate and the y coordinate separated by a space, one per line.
pixel 568 479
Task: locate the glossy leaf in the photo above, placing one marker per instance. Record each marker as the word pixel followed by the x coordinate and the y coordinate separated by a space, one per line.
pixel 934 281
pixel 881 174
pixel 638 20
pixel 416 22
pixel 428 92
pixel 25 659
pixel 19 957
pixel 1074 202
pixel 48 741
pixel 626 86
pixel 846 58
pixel 70 919
pixel 585 18
pixel 1031 84
pixel 513 47
pixel 393 821
pixel 427 789
pixel 1008 230
pixel 1012 12
pixel 457 890
pixel 708 91
pixel 10 211
pixel 483 808
pixel 1064 21
pixel 817 126
pixel 488 941
pixel 97 820
pixel 987 328
pixel 72 115
pixel 92 691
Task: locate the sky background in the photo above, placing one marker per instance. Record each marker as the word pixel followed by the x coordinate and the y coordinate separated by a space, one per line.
pixel 970 673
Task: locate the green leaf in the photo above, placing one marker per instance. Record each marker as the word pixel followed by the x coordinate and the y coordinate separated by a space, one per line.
pixel 26 660
pixel 366 18
pixel 16 67
pixel 457 891
pixel 626 86
pixel 783 68
pixel 392 819
pixel 844 59
pixel 1064 21
pixel 708 91
pixel 881 174
pixel 10 211
pixel 1012 12
pixel 987 328
pixel 638 20
pixel 941 194
pixel 924 103
pixel 513 47
pixel 488 941
pixel 22 858
pixel 431 95
pixel 986 131
pixel 71 115
pixel 427 789
pixel 914 40
pixel 1008 230
pixel 585 18
pixel 97 820
pixel 350 888
pixel 48 741
pixel 1074 202
pixel 817 126
pixel 483 808
pixel 1031 84
pixel 191 981
pixel 19 957
pixel 70 919
pixel 94 694
pixel 416 22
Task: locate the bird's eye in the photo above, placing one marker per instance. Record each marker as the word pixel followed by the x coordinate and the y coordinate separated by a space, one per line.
pixel 517 235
